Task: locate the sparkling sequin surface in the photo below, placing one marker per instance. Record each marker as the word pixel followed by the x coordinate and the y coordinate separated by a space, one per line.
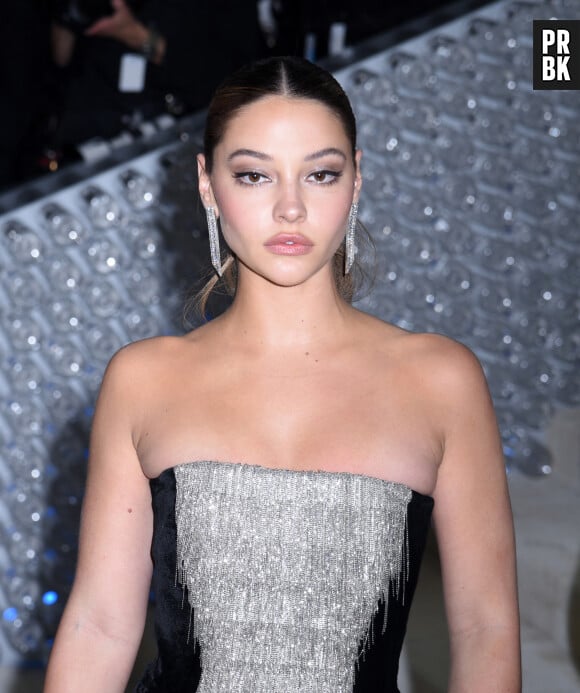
pixel 285 571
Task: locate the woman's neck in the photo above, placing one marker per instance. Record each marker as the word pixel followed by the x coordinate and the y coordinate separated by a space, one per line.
pixel 264 315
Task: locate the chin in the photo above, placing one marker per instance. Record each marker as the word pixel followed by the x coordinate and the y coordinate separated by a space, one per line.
pixel 293 279
pixel 288 271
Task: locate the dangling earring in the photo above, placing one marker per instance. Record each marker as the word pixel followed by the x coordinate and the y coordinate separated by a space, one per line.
pixel 350 248
pixel 214 240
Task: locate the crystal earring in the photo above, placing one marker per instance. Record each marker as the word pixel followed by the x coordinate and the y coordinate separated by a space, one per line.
pixel 214 240
pixel 350 248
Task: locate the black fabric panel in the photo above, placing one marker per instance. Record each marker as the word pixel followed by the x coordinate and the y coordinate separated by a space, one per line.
pixel 177 668
pixel 378 661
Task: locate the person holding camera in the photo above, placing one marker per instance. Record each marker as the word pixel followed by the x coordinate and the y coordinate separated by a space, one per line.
pixel 126 61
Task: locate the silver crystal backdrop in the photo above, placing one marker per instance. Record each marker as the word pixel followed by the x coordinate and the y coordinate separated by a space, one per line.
pixel 471 197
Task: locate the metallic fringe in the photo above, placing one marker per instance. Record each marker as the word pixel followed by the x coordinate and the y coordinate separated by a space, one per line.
pixel 350 247
pixel 285 571
pixel 214 240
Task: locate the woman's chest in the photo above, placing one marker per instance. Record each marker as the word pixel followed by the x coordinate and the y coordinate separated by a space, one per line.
pixel 296 423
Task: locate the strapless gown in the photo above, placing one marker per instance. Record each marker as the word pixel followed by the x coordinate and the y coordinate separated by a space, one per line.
pixel 279 581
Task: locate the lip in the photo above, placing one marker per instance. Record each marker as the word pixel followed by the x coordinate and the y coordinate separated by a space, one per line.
pixel 289 244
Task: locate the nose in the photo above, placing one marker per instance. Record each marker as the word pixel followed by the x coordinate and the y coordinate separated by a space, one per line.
pixel 289 204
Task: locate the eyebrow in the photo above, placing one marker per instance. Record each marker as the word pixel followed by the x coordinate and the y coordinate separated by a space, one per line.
pixel 250 152
pixel 262 156
pixel 325 152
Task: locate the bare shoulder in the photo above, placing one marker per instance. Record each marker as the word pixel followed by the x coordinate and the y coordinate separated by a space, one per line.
pixel 448 379
pixel 148 350
pixel 146 357
pixel 450 374
pixel 146 364
pixel 436 355
pixel 156 352
pixel 442 358
pixel 437 369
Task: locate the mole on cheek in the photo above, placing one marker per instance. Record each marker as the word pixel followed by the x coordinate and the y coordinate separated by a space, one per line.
pixel 129 510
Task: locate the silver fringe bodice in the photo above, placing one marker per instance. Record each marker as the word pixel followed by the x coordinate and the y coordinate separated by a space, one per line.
pixel 284 571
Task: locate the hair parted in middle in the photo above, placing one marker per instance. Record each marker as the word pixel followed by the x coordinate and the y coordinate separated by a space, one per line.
pixel 291 77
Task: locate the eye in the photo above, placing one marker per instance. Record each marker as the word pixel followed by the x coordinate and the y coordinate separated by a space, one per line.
pixel 325 177
pixel 250 177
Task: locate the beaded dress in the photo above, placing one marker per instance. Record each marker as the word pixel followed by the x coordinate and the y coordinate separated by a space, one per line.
pixel 272 580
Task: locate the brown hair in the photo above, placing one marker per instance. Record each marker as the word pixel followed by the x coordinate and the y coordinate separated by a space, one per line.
pixel 277 76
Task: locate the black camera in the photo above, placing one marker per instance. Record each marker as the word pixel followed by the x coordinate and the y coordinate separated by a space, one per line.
pixel 80 14
pixel 83 13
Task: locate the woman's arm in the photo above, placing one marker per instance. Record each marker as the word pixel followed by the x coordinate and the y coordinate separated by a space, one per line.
pixel 103 621
pixel 474 528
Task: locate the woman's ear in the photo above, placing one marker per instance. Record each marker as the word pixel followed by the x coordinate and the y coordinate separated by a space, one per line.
pixel 357 175
pixel 204 183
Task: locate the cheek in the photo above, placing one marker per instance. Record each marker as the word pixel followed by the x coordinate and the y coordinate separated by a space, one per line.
pixel 240 220
pixel 229 211
pixel 235 213
pixel 334 215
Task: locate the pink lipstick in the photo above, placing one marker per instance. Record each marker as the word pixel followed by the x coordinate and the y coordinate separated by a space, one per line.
pixel 289 244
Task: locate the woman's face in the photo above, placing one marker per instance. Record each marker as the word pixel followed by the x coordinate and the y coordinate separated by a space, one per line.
pixel 283 181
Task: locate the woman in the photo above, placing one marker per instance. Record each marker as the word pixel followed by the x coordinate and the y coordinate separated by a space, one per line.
pixel 283 459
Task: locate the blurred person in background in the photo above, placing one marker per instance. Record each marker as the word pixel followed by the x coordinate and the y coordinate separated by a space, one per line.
pixel 126 61
pixel 24 53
